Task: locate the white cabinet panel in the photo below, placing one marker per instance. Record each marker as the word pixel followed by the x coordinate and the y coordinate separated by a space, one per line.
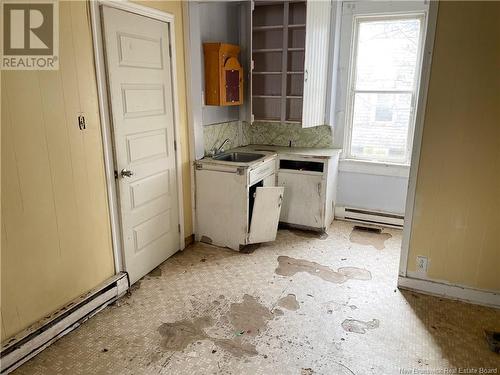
pixel 303 198
pixel 266 214
pixel 316 62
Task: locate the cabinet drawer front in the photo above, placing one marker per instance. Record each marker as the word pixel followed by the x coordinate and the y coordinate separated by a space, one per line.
pixel 266 169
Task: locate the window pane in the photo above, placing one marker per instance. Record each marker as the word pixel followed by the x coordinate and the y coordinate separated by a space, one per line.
pixel 387 54
pixel 380 126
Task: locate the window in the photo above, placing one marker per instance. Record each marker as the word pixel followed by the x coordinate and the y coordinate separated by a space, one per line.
pixel 383 87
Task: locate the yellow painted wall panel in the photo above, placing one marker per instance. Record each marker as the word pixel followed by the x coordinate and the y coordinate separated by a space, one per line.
pixel 56 241
pixel 456 222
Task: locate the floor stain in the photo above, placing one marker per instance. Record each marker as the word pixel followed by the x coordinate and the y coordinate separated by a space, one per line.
pixel 249 249
pixel 290 266
pixel 178 335
pixel 237 347
pixel 155 273
pixel 359 326
pixel 289 302
pixel 278 312
pixel 366 237
pixel 309 234
pixel 249 315
pixel 307 371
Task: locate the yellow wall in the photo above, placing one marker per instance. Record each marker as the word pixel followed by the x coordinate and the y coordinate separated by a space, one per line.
pixel 56 241
pixel 456 220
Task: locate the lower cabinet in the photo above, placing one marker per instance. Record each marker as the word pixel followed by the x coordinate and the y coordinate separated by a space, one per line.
pixel 237 206
pixel 309 191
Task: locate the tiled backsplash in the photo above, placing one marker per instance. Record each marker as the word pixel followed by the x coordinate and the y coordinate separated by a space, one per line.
pixel 277 134
pixel 214 135
pixel 266 133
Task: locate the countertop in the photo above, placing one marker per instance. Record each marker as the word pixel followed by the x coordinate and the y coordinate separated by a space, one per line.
pixel 270 152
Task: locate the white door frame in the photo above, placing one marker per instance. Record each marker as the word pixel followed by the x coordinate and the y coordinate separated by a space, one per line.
pixel 417 136
pixel 102 92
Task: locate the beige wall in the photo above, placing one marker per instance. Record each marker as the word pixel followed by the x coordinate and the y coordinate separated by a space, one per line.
pixel 56 241
pixel 456 220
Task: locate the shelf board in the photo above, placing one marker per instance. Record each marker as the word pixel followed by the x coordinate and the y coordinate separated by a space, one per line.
pixel 265 28
pixel 294 72
pixel 297 26
pixel 265 73
pixel 294 96
pixel 293 49
pixel 267 96
pixel 264 50
pixel 267 120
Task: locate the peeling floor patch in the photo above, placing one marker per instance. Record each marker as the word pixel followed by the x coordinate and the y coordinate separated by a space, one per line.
pixel 249 315
pixel 237 347
pixel 178 335
pixel 359 326
pixel 308 234
pixel 290 266
pixel 367 237
pixel 155 273
pixel 289 302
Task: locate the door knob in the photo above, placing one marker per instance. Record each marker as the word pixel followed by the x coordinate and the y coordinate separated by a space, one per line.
pixel 126 173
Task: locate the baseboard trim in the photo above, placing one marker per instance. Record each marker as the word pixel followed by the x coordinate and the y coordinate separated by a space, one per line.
pixel 369 217
pixel 40 335
pixel 475 296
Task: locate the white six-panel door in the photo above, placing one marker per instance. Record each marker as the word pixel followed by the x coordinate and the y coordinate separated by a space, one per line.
pixel 140 95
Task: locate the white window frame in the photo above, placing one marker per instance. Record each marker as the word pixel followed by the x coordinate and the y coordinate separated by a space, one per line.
pixel 352 12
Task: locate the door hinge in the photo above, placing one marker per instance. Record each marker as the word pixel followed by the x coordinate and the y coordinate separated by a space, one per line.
pixel 170 50
pixel 175 145
pixel 179 227
pixel 116 174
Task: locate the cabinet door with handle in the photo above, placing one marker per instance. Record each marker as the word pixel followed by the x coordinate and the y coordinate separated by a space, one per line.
pixel 303 197
pixel 316 62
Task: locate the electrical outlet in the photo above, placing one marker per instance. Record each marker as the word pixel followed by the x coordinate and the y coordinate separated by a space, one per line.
pixel 422 263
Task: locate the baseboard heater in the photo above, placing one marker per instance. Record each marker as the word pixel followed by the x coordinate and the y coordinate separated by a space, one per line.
pixel 40 335
pixel 369 217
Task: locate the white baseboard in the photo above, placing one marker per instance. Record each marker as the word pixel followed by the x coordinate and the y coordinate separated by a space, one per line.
pixel 40 335
pixel 456 292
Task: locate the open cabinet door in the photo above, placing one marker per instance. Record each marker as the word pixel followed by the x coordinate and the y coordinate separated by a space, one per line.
pixel 316 63
pixel 266 214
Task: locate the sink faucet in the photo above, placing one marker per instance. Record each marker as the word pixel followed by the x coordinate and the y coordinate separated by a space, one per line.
pixel 218 150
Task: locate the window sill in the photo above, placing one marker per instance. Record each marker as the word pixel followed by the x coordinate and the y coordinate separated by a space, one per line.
pixel 374 168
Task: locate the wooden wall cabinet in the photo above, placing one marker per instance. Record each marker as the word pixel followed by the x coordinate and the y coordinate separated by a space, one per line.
pixel 223 74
